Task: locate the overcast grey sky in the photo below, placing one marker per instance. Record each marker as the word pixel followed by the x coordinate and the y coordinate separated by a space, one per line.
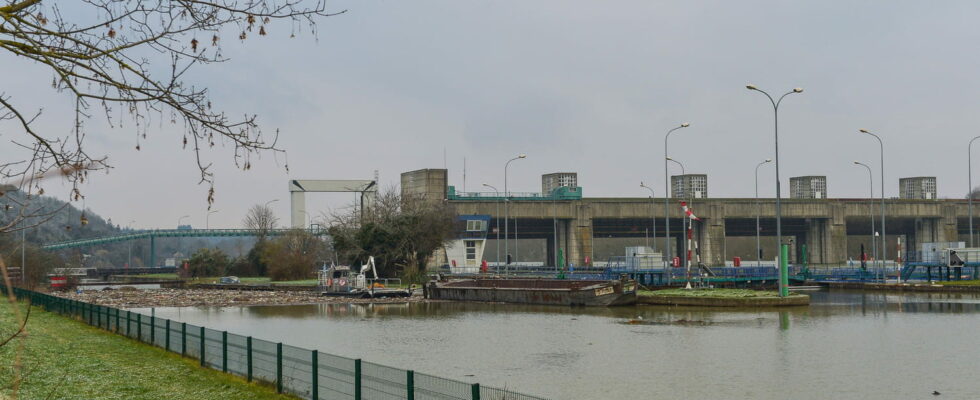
pixel 586 86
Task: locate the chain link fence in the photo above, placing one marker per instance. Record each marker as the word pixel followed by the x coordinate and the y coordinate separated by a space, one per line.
pixel 308 374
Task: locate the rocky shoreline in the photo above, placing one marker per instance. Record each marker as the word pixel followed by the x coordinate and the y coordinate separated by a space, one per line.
pixel 136 298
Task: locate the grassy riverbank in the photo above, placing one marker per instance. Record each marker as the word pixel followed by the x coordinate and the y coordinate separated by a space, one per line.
pixel 720 297
pixel 67 359
pixel 718 293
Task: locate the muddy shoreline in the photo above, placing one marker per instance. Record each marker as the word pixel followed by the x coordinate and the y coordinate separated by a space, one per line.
pixel 135 298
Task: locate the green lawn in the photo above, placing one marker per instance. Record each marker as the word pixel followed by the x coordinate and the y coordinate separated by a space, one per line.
pixel 719 293
pixel 67 359
pixel 960 283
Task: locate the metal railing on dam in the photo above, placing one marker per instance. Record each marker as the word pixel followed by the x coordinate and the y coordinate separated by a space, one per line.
pixel 308 374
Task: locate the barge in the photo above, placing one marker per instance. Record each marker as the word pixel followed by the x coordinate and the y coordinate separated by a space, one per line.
pixel 535 291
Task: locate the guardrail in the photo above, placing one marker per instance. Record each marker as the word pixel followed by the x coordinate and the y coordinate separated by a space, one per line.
pixel 309 374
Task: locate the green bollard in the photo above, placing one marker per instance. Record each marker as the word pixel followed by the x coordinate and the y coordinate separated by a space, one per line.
pixel 784 271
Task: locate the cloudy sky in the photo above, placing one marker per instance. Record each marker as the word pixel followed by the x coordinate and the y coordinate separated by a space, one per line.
pixel 586 86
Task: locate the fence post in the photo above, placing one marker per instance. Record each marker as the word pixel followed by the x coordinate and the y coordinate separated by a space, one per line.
pixel 202 346
pixel 248 351
pixel 315 367
pixel 357 379
pixel 410 384
pixel 279 367
pixel 153 329
pixel 183 338
pixel 117 320
pixel 129 320
pixel 166 337
pixel 139 327
pixel 476 391
pixel 98 316
pixel 224 351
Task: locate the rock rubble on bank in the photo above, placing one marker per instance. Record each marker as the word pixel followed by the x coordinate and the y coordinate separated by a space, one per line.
pixel 135 298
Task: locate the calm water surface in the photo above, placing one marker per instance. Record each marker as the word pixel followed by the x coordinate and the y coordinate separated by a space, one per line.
pixel 846 345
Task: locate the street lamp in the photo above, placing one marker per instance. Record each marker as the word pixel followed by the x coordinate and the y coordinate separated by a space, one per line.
pixel 871 187
pixel 207 219
pixel 969 174
pixel 667 199
pixel 497 225
pixel 270 202
pixel 684 223
pixel 884 235
pixel 653 219
pixel 783 274
pixel 507 213
pixel 758 242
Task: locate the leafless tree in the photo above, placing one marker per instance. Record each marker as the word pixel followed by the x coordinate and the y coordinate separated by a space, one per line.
pixel 127 60
pixel 260 218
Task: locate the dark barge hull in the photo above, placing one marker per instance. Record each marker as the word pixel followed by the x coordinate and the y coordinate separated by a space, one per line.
pixel 536 291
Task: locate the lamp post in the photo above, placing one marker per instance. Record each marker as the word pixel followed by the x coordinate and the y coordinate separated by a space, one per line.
pixel 884 236
pixel 207 219
pixel 783 274
pixel 667 198
pixel 758 241
pixel 871 199
pixel 507 213
pixel 969 175
pixel 497 225
pixel 653 219
pixel 270 202
pixel 684 223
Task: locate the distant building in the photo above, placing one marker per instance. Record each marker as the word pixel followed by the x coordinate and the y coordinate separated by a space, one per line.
pixel 429 183
pixel 689 186
pixel 917 188
pixel 808 187
pixel 550 182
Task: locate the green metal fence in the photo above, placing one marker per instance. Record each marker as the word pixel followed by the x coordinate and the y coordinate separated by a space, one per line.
pixel 308 374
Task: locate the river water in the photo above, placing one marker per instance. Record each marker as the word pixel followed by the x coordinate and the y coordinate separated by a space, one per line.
pixel 846 344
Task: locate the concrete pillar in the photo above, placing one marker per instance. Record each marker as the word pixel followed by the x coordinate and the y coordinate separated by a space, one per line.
pixel 816 247
pixel 713 241
pixel 947 230
pixel 579 230
pixel 926 231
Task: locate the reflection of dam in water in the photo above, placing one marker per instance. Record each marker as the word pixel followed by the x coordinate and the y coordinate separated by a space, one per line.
pixel 588 353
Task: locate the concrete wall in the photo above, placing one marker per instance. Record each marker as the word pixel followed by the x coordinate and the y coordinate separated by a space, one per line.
pixel 822 225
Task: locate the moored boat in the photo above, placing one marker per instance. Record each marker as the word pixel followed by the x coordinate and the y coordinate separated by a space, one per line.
pixel 535 291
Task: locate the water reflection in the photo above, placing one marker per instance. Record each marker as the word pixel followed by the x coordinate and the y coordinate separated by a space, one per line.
pixel 846 344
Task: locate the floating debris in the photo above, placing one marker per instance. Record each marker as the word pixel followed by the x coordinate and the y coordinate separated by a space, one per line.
pixel 214 298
